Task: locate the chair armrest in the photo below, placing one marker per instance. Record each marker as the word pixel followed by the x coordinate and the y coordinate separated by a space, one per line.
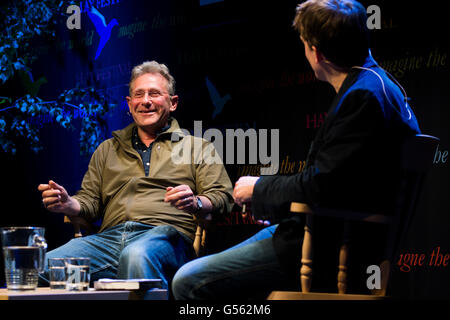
pixel 78 224
pixel 298 207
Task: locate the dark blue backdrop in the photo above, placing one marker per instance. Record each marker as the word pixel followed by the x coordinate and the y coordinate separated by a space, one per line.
pixel 249 50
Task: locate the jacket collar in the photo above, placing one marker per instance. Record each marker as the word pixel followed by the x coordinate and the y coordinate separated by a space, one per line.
pixel 351 78
pixel 353 74
pixel 124 136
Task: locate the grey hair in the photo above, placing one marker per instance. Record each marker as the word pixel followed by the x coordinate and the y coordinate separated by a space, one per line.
pixel 153 67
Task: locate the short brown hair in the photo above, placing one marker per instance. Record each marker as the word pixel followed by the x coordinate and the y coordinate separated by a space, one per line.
pixel 153 67
pixel 337 28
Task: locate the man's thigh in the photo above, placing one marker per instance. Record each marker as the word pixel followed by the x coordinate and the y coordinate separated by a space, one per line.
pixel 103 249
pixel 250 269
pixel 162 243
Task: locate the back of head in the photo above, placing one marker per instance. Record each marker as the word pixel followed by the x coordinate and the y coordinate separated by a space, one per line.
pixel 337 28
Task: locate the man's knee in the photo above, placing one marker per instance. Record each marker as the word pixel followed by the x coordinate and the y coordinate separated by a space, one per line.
pixel 182 284
pixel 133 255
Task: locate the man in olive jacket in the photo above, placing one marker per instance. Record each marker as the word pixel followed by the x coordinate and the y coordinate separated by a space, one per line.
pixel 147 201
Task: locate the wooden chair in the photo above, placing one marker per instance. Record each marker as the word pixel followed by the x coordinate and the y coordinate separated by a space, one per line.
pixel 417 156
pixel 80 223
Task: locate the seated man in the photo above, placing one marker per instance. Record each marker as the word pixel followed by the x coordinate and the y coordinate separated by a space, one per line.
pixel 353 161
pixel 146 201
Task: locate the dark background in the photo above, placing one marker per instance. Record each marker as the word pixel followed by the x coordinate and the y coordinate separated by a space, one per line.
pixel 248 50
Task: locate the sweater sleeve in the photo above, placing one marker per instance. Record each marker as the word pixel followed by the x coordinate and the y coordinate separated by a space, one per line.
pixel 336 156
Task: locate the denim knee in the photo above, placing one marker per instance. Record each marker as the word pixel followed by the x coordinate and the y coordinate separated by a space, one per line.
pixel 182 283
pixel 133 257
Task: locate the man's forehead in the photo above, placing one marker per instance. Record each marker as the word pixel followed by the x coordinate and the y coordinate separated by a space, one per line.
pixel 148 80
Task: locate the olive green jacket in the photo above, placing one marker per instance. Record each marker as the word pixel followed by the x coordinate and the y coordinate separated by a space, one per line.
pixel 116 189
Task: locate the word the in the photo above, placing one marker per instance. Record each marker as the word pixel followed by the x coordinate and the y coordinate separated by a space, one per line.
pixel 409 260
pixel 258 145
pixel 440 156
pixel 288 167
pixel 160 21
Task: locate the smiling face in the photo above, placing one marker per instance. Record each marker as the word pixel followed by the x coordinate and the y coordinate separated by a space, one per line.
pixel 150 103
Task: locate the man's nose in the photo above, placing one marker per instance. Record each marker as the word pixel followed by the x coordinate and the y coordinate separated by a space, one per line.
pixel 146 99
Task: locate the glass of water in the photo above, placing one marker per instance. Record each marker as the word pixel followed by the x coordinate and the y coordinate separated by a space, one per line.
pixel 77 273
pixel 57 273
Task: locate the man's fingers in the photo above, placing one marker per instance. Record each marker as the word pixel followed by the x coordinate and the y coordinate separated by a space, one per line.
pixel 185 202
pixel 50 201
pixel 177 195
pixel 43 187
pixel 174 190
pixel 51 193
pixel 54 185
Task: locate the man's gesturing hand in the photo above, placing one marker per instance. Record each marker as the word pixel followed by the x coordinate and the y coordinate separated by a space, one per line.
pixel 56 199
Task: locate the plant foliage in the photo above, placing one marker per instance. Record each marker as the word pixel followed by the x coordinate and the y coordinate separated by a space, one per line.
pixel 22 22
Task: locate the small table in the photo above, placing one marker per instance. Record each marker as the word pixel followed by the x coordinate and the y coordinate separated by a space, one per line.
pixel 45 293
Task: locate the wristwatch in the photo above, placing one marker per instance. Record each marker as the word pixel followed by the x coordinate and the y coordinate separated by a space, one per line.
pixel 199 204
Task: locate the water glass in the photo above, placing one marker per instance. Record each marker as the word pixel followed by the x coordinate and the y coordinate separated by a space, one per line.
pixel 77 273
pixel 57 272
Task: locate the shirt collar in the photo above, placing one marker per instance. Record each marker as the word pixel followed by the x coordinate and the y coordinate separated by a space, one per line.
pixel 136 141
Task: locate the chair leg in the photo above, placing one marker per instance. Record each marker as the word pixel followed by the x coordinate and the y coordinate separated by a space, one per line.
pixel 342 269
pixel 343 260
pixel 307 257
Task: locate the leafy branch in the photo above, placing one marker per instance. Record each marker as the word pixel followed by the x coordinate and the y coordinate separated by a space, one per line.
pixel 22 116
pixel 28 114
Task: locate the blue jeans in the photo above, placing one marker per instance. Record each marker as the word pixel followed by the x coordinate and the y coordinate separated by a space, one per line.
pixel 129 250
pixel 247 270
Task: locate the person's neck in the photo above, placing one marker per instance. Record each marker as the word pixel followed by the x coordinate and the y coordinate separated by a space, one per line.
pixel 147 136
pixel 335 75
pixel 337 80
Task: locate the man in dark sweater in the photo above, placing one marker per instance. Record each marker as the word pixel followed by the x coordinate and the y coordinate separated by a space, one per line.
pixel 352 163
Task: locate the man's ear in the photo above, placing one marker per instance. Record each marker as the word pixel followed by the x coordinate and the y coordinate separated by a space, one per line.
pixel 318 56
pixel 174 103
pixel 128 102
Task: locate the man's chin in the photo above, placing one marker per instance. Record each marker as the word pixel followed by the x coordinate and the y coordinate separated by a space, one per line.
pixel 151 125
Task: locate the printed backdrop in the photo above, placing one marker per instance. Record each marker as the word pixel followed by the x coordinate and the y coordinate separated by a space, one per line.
pixel 238 64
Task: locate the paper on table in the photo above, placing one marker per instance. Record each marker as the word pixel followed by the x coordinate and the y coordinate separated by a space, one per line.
pixel 127 284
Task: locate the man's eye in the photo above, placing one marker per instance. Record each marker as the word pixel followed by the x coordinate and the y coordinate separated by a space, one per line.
pixel 154 94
